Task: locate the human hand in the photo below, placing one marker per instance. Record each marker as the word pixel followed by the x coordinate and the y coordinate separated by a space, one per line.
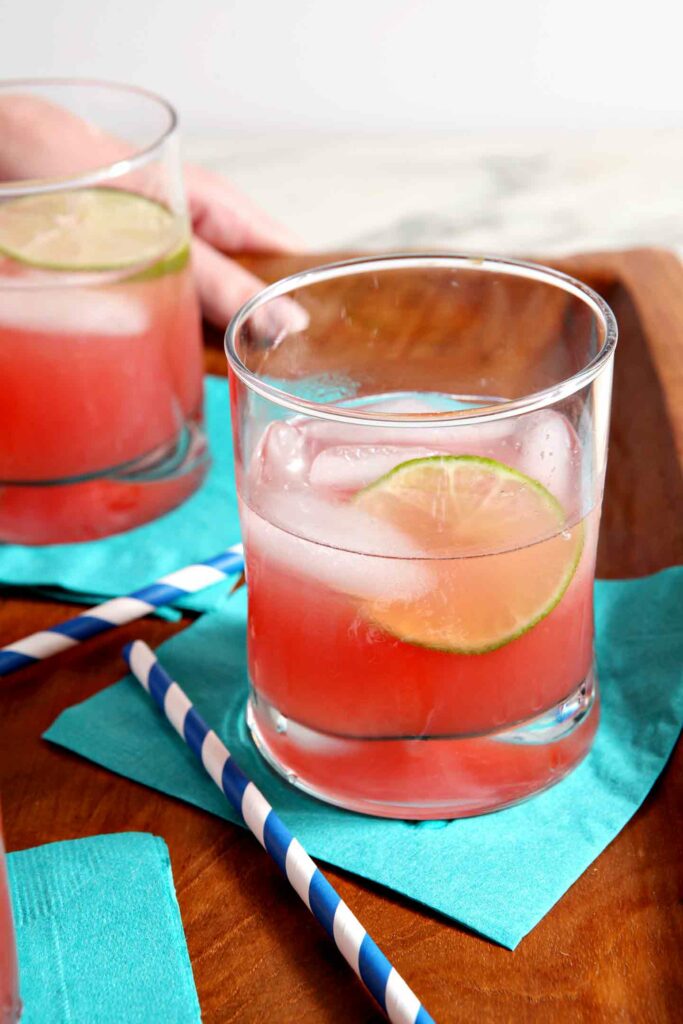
pixel 39 139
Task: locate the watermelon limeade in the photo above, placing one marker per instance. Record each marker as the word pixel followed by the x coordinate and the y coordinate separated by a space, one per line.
pixel 100 363
pixel 420 610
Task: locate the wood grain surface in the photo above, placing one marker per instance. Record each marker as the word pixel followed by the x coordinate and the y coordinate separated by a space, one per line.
pixel 609 951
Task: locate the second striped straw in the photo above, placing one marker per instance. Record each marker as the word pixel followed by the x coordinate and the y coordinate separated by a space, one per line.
pixel 120 610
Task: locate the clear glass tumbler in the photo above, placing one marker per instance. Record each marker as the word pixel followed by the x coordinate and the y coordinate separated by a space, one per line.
pixel 100 339
pixel 10 1005
pixel 420 462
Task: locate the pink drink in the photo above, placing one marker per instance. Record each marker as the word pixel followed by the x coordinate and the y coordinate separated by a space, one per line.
pixel 101 401
pixel 352 689
pixel 100 334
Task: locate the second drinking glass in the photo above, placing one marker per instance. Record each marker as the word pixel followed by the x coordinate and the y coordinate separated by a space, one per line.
pixel 100 338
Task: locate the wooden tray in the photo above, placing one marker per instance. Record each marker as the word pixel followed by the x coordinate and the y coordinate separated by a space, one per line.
pixel 608 951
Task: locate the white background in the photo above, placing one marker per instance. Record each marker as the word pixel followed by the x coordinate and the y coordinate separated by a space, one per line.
pixel 368 65
pixel 520 126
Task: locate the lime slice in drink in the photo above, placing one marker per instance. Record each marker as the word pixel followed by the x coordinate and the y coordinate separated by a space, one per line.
pixel 92 229
pixel 495 541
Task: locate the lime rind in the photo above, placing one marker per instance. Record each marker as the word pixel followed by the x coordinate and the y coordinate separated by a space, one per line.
pixel 501 471
pixel 171 264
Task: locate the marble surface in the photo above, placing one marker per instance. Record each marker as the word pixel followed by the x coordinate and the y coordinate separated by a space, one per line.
pixel 532 193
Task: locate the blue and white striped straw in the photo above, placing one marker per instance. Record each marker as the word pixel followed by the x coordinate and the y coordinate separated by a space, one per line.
pixel 120 610
pixel 396 999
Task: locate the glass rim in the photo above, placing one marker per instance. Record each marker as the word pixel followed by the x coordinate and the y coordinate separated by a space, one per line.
pixel 486 264
pixel 115 169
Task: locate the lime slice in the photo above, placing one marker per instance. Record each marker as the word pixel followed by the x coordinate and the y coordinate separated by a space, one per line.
pixel 495 541
pixel 92 229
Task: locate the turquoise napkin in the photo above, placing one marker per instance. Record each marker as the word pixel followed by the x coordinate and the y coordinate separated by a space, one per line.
pixel 498 874
pixel 99 934
pixel 201 527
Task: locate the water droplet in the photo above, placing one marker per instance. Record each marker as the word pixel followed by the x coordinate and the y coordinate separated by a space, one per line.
pixel 567 534
pixel 281 724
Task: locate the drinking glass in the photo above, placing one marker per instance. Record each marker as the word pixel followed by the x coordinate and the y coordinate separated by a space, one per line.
pixel 10 1006
pixel 420 473
pixel 100 343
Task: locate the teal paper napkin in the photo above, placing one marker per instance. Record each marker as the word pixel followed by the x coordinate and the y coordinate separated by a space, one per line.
pixel 498 874
pixel 201 527
pixel 99 934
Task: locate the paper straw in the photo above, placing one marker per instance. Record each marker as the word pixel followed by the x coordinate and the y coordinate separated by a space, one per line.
pixel 396 999
pixel 120 610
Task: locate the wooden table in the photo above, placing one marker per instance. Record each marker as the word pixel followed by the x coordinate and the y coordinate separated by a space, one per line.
pixel 608 951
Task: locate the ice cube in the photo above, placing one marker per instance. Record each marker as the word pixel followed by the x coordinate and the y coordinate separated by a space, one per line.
pixel 338 545
pixel 281 455
pixel 348 468
pixel 547 449
pixel 484 438
pixel 331 433
pixel 336 524
pixel 73 311
pixel 441 438
pixel 338 433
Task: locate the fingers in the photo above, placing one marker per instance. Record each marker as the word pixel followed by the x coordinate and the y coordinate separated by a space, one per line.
pixel 43 140
pixel 224 286
pixel 225 218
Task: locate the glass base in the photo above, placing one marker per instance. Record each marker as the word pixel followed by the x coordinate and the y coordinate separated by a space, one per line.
pixel 430 777
pixel 100 504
